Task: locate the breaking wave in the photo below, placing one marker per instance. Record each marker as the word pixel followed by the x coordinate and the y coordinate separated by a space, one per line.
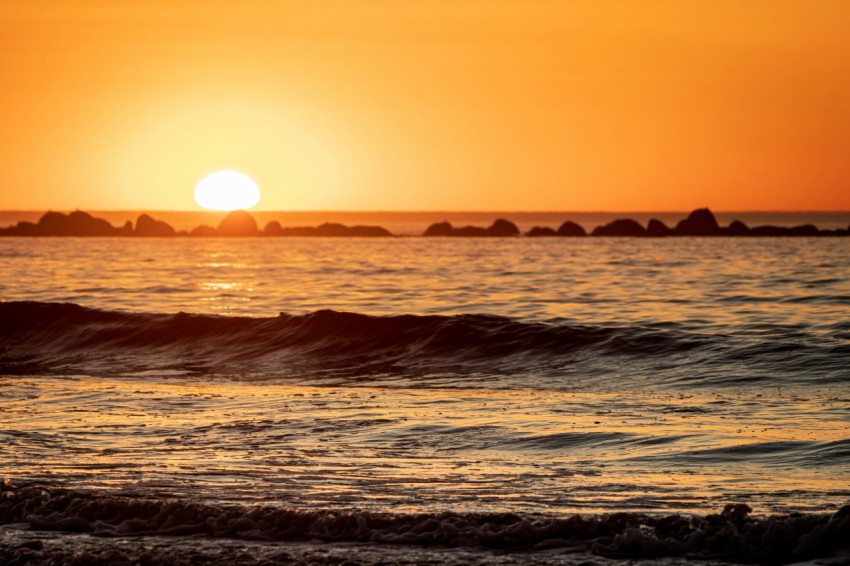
pixel 63 338
pixel 730 535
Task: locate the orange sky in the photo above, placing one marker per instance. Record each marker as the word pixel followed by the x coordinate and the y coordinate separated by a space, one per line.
pixel 440 104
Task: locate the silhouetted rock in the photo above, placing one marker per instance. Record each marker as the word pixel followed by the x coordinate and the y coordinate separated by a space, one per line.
pixel 470 232
pixel 621 227
pixel 78 223
pixel 238 223
pixel 273 228
pixel 770 231
pixel 146 226
pixel 335 230
pixel 541 231
pixel 84 224
pixel 368 232
pixel 341 230
pixel 738 228
pixel 22 228
pixel 657 229
pixel 805 230
pixel 700 222
pixel 203 231
pixel 126 229
pixel 439 229
pixel 499 228
pixel 570 229
pixel 54 224
pixel 503 228
pixel 298 231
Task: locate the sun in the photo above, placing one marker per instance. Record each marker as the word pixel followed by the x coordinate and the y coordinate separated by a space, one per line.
pixel 227 190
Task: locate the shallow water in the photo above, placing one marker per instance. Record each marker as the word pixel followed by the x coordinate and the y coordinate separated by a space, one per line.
pixel 516 377
pixel 428 450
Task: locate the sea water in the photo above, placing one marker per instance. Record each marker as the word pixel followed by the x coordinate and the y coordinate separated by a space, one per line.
pixel 421 399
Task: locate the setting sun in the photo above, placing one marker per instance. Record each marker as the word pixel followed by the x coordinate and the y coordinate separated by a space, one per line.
pixel 227 190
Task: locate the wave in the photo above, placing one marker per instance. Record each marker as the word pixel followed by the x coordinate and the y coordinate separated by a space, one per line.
pixel 64 338
pixel 730 535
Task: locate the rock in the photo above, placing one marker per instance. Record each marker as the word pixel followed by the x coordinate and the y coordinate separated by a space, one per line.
pixel 700 222
pixel 570 229
pixel 273 228
pixel 298 231
pixel 331 229
pixel 146 226
pixel 78 223
pixel 335 230
pixel 238 223
pixel 24 228
pixel 499 228
pixel 657 229
pixel 368 232
pixel 738 228
pixel 470 232
pixel 503 228
pixel 439 229
pixel 770 231
pixel 54 224
pixel 621 227
pixel 203 231
pixel 805 230
pixel 541 231
pixel 341 230
pixel 84 224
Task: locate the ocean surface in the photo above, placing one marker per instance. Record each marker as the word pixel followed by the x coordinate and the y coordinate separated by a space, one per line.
pixel 410 400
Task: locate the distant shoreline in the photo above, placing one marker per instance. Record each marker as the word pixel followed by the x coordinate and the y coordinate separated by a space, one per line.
pixel 701 222
pixel 412 223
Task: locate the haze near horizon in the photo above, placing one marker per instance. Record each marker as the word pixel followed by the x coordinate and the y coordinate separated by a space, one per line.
pixel 378 105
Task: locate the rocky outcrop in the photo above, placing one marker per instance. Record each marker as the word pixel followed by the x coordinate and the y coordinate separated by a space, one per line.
pixel 541 232
pixel 700 222
pixel 738 228
pixel 203 231
pixel 570 229
pixel 146 226
pixel 238 223
pixel 334 230
pixel 657 229
pixel 621 227
pixel 805 230
pixel 273 228
pixel 501 228
pixel 439 229
pixel 77 223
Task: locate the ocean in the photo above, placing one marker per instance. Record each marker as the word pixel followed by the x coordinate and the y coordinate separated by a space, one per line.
pixel 412 400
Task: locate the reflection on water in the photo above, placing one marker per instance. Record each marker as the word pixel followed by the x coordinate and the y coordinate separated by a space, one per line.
pixel 719 284
pixel 412 450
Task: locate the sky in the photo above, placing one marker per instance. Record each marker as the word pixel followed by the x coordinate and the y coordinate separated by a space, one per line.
pixel 427 105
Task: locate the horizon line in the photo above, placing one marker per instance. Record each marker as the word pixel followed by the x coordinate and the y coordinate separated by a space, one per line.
pixel 434 211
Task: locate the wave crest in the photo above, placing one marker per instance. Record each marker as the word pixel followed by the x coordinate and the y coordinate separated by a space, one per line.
pixel 61 338
pixel 730 535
